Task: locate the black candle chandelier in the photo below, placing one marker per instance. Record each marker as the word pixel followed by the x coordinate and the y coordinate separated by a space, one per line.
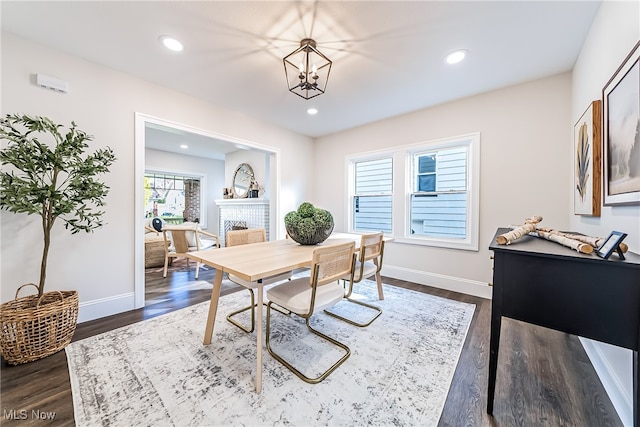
pixel 307 70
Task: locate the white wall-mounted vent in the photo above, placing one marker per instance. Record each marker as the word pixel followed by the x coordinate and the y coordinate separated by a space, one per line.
pixel 52 83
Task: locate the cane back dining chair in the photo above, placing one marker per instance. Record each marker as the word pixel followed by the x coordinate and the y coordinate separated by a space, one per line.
pixel 245 237
pixel 308 295
pixel 181 239
pixel 368 264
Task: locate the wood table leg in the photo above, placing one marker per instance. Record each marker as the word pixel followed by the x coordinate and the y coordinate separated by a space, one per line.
pixel 213 306
pixel 259 340
pixel 379 282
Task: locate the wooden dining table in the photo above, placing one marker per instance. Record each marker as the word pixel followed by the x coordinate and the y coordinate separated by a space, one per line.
pixel 254 262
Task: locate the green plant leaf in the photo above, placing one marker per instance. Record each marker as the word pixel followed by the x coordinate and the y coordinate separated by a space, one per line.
pixel 50 174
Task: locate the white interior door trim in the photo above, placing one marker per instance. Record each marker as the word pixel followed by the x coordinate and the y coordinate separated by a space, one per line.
pixel 141 121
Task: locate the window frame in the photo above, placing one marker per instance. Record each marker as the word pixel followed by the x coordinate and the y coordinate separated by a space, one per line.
pixel 403 186
pixel 203 183
pixel 418 174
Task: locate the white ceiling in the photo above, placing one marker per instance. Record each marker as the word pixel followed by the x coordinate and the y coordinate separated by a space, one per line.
pixel 388 56
pixel 179 141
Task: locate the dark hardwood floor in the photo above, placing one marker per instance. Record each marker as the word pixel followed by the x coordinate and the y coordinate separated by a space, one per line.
pixel 544 376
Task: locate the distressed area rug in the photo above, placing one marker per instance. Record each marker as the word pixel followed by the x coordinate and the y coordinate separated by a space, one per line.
pixel 158 372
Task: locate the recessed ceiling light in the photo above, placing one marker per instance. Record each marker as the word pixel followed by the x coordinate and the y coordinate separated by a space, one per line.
pixel 184 146
pixel 241 147
pixel 457 56
pixel 312 111
pixel 171 43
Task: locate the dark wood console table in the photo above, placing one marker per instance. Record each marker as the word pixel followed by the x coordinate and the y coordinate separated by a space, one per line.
pixel 546 284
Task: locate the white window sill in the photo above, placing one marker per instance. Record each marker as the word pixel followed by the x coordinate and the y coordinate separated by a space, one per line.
pixel 467 244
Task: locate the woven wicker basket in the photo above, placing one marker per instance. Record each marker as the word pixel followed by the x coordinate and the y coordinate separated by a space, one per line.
pixel 33 328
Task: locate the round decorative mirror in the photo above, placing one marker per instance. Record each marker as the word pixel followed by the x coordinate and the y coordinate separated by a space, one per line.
pixel 242 179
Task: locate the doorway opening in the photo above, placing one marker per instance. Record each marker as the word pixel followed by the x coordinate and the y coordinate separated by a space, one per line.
pixel 204 167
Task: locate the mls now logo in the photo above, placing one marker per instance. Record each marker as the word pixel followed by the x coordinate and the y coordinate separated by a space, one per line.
pixel 23 414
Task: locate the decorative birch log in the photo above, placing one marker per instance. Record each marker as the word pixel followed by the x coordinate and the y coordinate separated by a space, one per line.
pixel 581 247
pixel 528 227
pixel 579 242
pixel 595 242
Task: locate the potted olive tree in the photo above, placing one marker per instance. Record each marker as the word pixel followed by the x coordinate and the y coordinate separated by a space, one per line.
pixel 46 172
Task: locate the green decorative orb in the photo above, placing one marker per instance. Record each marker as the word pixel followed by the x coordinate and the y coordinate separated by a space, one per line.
pixel 309 225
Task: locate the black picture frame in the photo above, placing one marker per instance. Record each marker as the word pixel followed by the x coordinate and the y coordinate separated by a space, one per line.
pixel 621 107
pixel 610 244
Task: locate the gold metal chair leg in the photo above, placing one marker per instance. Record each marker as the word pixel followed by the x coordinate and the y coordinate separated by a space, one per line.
pixel 361 325
pixel 291 367
pixel 279 309
pixel 253 314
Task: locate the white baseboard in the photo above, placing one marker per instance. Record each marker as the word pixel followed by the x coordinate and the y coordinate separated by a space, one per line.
pixel 620 399
pixel 450 283
pixel 103 307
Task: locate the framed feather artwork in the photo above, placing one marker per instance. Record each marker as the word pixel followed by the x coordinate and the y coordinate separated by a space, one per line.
pixel 587 138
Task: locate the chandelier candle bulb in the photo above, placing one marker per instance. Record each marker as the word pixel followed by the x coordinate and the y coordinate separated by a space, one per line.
pixel 307 70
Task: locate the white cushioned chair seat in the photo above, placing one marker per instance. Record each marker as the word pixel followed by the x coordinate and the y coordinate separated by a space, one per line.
pixel 296 295
pixel 369 270
pixel 266 281
pixel 204 244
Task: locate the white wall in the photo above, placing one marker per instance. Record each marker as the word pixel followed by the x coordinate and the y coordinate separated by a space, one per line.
pixel 211 169
pixel 103 103
pixel 524 161
pixel 614 32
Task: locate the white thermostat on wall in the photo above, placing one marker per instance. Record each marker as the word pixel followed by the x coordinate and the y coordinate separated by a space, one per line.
pixel 52 83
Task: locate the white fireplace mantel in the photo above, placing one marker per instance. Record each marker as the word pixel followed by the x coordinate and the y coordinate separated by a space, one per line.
pixel 250 213
pixel 232 202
